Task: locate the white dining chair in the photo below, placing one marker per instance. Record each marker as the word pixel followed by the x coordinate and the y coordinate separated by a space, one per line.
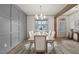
pixel 75 36
pixel 51 35
pixel 31 39
pixel 44 33
pixel 49 32
pixel 40 44
pixel 31 35
pixel 50 42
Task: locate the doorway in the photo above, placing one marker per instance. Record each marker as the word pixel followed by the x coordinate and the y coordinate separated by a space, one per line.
pixel 62 27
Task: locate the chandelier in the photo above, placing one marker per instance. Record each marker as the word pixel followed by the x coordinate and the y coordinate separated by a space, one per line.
pixel 41 16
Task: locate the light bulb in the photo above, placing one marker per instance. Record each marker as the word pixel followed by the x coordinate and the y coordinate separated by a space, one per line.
pixel 44 17
pixel 41 15
pixel 36 16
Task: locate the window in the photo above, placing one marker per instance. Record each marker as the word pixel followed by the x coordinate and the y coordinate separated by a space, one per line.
pixel 41 25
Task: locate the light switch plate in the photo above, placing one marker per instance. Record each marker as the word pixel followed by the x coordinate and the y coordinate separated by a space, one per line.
pixel 5 45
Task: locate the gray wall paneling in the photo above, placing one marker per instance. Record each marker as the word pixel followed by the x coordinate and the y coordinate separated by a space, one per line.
pixel 4 28
pixel 13 27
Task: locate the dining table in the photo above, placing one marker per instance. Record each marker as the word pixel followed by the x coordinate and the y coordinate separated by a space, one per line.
pixel 31 41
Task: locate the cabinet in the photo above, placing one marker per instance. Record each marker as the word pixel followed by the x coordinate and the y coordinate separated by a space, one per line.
pixel 76 36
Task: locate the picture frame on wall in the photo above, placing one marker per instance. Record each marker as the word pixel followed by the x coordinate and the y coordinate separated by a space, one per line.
pixel 77 25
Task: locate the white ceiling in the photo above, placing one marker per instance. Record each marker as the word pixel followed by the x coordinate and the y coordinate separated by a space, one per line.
pixel 73 10
pixel 47 9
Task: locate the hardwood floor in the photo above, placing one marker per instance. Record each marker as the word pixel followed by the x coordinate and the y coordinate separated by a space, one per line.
pixel 61 46
pixel 66 46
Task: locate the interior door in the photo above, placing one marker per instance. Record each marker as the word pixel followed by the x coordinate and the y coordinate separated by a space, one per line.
pixel 62 28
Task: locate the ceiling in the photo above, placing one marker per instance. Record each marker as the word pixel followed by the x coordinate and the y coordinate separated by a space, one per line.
pixel 73 10
pixel 47 9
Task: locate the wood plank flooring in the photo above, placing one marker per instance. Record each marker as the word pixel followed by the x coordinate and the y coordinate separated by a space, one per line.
pixel 61 46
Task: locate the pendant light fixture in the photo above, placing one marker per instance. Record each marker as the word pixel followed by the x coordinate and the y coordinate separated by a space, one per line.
pixel 41 16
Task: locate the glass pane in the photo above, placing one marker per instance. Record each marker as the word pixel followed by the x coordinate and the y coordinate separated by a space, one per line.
pixel 39 22
pixel 62 27
pixel 41 25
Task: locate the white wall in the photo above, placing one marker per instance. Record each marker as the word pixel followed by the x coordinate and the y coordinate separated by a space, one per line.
pixel 30 23
pixel 72 19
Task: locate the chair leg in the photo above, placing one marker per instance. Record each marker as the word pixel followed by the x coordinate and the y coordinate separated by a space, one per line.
pixel 46 48
pixel 30 47
pixel 52 44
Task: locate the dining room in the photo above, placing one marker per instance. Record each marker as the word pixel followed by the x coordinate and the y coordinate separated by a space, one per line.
pixel 39 29
pixel 40 24
pixel 47 31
